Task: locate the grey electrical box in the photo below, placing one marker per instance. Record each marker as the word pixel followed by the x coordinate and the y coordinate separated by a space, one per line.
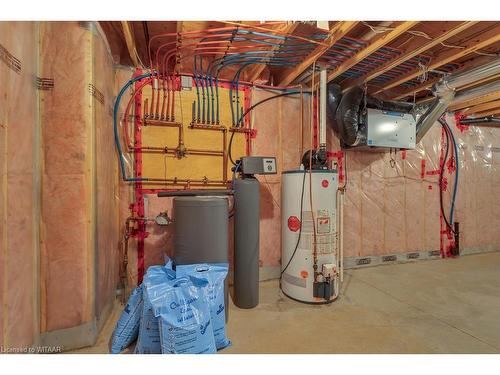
pixel 390 129
pixel 186 82
pixel 258 165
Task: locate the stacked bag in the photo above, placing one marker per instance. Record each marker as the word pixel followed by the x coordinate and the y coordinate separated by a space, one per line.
pixel 177 311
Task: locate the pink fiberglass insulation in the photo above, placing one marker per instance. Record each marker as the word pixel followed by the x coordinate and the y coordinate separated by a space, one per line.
pixel 107 209
pixel 66 180
pixel 79 253
pixel 18 191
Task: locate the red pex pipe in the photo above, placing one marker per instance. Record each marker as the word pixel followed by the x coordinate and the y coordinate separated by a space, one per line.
pixel 141 233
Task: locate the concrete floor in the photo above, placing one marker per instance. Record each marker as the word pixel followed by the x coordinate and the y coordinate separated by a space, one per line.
pixel 440 306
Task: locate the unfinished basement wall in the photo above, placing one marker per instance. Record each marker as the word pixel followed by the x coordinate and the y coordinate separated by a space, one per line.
pixel 19 185
pixel 159 240
pixel 391 210
pixel 59 184
pixel 79 253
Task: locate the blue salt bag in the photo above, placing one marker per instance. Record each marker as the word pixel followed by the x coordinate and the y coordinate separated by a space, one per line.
pixel 215 274
pixel 127 327
pixel 184 313
pixel 149 333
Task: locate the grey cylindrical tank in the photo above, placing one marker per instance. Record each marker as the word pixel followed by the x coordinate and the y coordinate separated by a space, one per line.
pixel 246 242
pixel 201 230
pixel 201 233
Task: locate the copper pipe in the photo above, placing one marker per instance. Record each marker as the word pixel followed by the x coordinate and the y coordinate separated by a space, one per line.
pixel 204 152
pixel 162 116
pixel 157 112
pixel 172 113
pixel 186 186
pixel 167 124
pixel 181 135
pixel 178 181
pixel 224 156
pixel 167 114
pixel 208 127
pixel 124 263
pixel 175 151
pixel 170 125
pixel 146 115
pixel 151 110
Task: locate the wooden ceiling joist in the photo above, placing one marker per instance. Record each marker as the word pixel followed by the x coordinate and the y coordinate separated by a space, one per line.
pixel 339 30
pixel 493 112
pixel 423 86
pixel 374 45
pixel 129 40
pixel 482 41
pixel 397 94
pixel 256 70
pixel 476 101
pixel 482 107
pixel 410 53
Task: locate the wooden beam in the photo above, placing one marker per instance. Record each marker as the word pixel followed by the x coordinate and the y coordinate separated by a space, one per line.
pixel 482 41
pixel 410 53
pixel 256 70
pixel 129 39
pixel 495 111
pixel 476 101
pixel 400 94
pixel 482 107
pixel 338 30
pixel 374 45
pixel 423 86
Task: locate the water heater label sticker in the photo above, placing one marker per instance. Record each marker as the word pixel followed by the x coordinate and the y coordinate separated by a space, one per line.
pixel 323 224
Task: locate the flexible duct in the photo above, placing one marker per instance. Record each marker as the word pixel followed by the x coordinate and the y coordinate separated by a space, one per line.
pixel 348 116
pixel 334 94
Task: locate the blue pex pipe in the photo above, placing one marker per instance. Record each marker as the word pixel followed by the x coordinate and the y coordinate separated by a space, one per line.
pixel 115 128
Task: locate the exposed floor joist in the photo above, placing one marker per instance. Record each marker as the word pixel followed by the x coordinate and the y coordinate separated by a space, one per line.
pixel 129 39
pixel 484 40
pixel 339 30
pixel 401 94
pixel 482 107
pixel 256 70
pixel 493 112
pixel 410 53
pixel 374 45
pixel 476 101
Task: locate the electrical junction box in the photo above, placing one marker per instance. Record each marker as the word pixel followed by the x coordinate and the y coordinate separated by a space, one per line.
pixel 258 165
pixel 390 129
pixel 186 82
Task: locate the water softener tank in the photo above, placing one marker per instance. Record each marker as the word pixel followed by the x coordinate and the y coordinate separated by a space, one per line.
pixel 297 235
pixel 201 230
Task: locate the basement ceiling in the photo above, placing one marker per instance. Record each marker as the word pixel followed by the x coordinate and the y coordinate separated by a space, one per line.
pixel 398 60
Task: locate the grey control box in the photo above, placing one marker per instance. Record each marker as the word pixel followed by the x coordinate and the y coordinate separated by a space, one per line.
pixel 258 165
pixel 391 129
